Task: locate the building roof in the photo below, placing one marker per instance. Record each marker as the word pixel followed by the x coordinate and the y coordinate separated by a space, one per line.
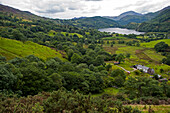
pixel 142 67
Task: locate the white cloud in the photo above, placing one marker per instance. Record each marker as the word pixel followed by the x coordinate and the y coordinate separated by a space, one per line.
pixel 78 8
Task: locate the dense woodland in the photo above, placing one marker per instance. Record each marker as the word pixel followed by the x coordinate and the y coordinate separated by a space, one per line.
pixel 31 84
pixel 160 23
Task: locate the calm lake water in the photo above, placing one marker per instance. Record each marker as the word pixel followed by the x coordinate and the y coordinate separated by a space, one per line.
pixel 121 31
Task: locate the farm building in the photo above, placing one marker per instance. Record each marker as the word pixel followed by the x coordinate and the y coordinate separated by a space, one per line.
pixel 144 69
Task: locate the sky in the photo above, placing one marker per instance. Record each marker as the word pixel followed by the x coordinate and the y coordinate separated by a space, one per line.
pixel 66 9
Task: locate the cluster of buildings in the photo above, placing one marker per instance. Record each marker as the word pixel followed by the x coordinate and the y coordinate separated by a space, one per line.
pixel 149 71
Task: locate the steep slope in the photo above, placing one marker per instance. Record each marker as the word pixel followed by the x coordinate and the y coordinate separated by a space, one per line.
pixel 13 48
pixel 16 12
pixel 131 16
pixel 128 13
pixel 23 14
pixel 92 22
pixel 160 23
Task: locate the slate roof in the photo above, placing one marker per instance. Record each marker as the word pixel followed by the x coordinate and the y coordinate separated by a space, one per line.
pixel 142 67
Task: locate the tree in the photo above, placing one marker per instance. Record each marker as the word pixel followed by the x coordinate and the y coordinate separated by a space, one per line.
pixel 7 78
pixel 108 67
pixel 18 35
pixel 161 47
pixel 128 55
pixel 120 58
pixel 35 80
pixel 166 60
pixel 70 53
pixel 2 58
pixel 87 59
pixel 111 45
pixel 99 60
pixel 142 86
pixel 76 58
pixel 56 81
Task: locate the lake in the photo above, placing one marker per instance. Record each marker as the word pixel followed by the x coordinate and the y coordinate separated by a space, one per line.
pixel 121 31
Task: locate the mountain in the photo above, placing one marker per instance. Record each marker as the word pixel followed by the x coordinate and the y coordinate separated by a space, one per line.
pixel 91 22
pixel 160 23
pixel 131 16
pixel 18 13
pixel 128 13
pixel 13 48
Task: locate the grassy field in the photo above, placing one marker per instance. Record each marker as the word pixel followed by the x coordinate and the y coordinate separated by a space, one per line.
pixel 110 91
pixel 13 48
pixel 139 55
pixel 52 33
pixel 155 108
pixel 113 38
pixel 153 43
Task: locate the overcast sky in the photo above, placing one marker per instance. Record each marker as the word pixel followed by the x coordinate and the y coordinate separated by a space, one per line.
pixel 66 9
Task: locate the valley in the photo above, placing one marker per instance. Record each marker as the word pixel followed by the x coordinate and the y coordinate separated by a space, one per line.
pixel 89 64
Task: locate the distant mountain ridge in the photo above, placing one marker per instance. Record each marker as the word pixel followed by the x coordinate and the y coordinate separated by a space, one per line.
pixel 17 12
pixel 117 18
pixel 91 22
pixel 160 23
pixel 130 19
pixel 131 16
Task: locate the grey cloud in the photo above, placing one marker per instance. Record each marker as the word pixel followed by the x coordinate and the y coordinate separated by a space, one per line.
pixel 138 3
pixel 58 6
pixel 52 10
pixel 151 7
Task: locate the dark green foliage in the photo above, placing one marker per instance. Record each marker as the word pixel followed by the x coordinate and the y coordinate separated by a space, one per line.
pixel 128 55
pixel 120 58
pixel 30 75
pixel 119 77
pixel 8 79
pixel 92 22
pixel 2 59
pixel 76 58
pixel 161 47
pixel 35 80
pixel 62 101
pixel 158 24
pixel 142 86
pixel 166 60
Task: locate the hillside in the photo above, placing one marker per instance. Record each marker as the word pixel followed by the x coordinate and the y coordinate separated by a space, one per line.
pixel 13 48
pixel 19 13
pixel 131 16
pixel 160 23
pixel 92 22
pixel 123 15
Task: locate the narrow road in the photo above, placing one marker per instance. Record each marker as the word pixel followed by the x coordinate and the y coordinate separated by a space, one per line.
pixel 125 69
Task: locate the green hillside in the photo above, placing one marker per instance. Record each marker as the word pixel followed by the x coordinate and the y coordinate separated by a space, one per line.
pixel 153 43
pixel 92 22
pixel 12 48
pixel 158 24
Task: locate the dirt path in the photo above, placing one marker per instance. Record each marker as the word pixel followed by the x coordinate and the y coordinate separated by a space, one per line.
pixel 126 70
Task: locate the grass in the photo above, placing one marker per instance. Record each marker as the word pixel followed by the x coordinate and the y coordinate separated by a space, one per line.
pixel 154 55
pixel 53 33
pixel 110 91
pixel 113 38
pixel 13 48
pixel 139 55
pixel 155 108
pixel 153 43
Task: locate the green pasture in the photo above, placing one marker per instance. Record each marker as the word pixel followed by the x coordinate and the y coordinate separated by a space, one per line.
pixel 153 43
pixel 13 48
pixel 139 55
pixel 110 91
pixel 53 33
